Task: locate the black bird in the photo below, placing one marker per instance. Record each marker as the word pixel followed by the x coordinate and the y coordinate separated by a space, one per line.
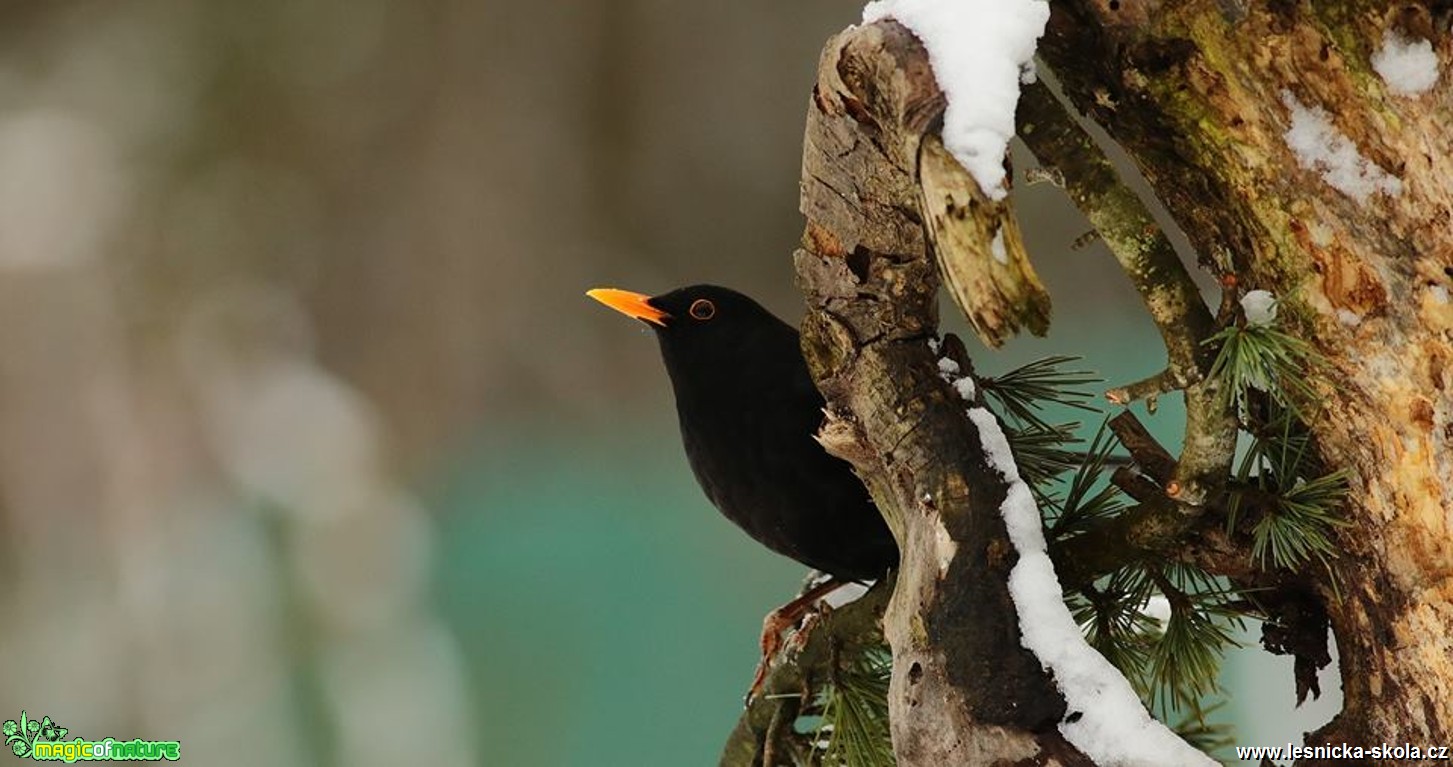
pixel 749 413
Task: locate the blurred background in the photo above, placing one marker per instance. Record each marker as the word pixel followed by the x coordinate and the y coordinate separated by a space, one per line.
pixel 312 451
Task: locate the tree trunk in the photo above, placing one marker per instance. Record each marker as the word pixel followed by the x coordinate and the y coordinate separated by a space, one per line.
pixel 963 690
pixel 1201 95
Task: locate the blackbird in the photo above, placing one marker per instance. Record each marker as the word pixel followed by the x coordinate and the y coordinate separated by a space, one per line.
pixel 749 413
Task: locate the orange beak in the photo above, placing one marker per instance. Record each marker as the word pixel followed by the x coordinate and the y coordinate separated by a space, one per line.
pixel 635 305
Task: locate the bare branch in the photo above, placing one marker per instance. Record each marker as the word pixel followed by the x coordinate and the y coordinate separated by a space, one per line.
pixel 1126 226
pixel 1145 389
pixel 1164 284
pixel 1154 459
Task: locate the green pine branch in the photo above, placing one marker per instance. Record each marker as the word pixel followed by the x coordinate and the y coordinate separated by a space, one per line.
pixel 1298 507
pixel 1259 357
pixel 1173 664
pixel 1022 393
pixel 854 730
pixel 1088 500
pixel 1040 454
pixel 1111 616
pixel 1187 659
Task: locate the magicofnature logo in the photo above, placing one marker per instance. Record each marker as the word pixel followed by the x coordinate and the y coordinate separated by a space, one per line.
pixel 44 741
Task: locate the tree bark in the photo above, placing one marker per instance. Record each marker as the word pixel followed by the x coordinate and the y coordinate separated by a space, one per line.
pixel 1200 94
pixel 963 690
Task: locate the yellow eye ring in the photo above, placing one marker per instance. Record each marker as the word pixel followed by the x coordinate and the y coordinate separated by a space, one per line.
pixel 702 309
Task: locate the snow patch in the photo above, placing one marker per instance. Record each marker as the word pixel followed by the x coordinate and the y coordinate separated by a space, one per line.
pixel 1440 294
pixel 1157 608
pixel 1319 146
pixel 1349 318
pixel 997 247
pixel 1028 73
pixel 1259 306
pixel 980 51
pixel 948 370
pixel 1114 729
pixel 1408 66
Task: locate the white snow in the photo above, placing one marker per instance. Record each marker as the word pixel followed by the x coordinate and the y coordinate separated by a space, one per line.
pixel 979 50
pixel 1408 66
pixel 997 247
pixel 1158 609
pixel 1349 318
pixel 1440 294
pixel 1259 307
pixel 1319 146
pixel 1114 729
pixel 948 370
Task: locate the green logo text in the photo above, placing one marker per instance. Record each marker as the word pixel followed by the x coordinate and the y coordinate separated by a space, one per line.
pixel 43 741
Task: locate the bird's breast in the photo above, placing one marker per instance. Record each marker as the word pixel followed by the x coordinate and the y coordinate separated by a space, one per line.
pixel 763 470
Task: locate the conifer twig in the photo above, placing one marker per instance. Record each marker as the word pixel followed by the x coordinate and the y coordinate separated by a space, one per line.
pixel 789 682
pixel 1145 389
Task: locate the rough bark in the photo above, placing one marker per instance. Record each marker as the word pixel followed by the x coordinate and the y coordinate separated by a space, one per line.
pixel 1198 93
pixel 963 690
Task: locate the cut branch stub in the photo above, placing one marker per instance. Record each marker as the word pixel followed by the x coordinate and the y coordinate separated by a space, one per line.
pixel 963 690
pixel 1148 453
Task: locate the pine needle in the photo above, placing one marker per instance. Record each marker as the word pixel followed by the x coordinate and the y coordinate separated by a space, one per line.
pixel 1185 663
pixel 1084 505
pixel 1040 452
pixel 1111 617
pixel 1298 512
pixel 1298 525
pixel 1024 391
pixel 1266 359
pixel 854 727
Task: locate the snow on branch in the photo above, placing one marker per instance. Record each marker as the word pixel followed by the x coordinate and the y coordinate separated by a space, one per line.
pixel 1320 146
pixel 1409 67
pixel 1113 728
pixel 980 51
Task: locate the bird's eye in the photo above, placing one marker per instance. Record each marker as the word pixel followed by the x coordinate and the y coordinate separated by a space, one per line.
pixel 702 309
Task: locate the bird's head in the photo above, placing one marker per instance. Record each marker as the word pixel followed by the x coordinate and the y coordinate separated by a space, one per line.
pixel 692 314
pixel 706 330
